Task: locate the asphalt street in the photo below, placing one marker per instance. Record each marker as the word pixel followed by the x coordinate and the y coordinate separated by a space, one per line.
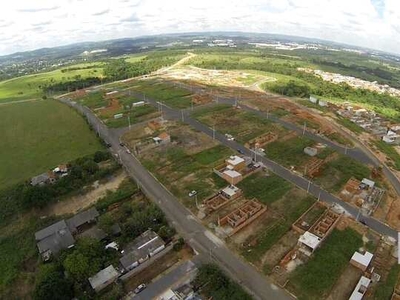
pixel 199 238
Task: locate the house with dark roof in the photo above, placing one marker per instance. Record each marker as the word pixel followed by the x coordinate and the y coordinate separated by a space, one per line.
pixel 143 247
pixel 53 239
pixel 44 178
pixel 79 220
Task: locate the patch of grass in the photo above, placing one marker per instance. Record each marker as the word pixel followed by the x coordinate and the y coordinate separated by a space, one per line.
pixel 212 155
pixel 289 152
pixel 266 189
pixel 314 279
pixel 39 135
pixel 349 125
pixel 166 93
pixel 391 153
pixel 30 86
pixel 137 115
pixel 385 288
pixel 347 168
pixel 93 100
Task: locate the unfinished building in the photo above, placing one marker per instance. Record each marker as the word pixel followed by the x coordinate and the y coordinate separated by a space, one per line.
pixel 311 239
pixel 363 194
pixel 242 216
pixel 223 197
pixel 262 141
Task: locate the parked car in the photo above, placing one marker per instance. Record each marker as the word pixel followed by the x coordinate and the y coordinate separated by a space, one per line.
pixel 128 151
pixel 240 151
pixel 140 288
pixel 121 144
pixel 192 193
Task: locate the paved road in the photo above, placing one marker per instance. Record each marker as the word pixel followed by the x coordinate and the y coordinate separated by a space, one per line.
pixel 201 239
pixel 178 275
pixel 299 181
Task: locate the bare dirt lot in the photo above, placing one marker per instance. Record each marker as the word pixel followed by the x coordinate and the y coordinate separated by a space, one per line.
pixel 345 284
pixel 76 203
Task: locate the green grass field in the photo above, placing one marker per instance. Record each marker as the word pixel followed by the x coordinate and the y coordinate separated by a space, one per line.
pixel 29 87
pixel 319 274
pixel 39 135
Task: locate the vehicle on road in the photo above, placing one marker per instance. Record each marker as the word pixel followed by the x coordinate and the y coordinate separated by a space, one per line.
pixel 240 151
pixel 192 193
pixel 140 288
pixel 128 151
pixel 121 144
pixel 229 137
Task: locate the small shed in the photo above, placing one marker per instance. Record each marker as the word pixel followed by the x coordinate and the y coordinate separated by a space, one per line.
pixel 310 151
pixel 232 176
pixel 368 182
pixel 104 278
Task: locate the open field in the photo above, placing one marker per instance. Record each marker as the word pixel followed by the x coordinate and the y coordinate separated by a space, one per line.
pixel 244 126
pixel 38 136
pixel 314 279
pixel 27 87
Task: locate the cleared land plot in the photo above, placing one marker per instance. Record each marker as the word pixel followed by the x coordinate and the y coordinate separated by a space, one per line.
pixel 30 86
pixel 314 279
pixel 38 136
pixel 267 189
pixel 289 152
pixel 244 126
pixel 337 172
pixel 166 93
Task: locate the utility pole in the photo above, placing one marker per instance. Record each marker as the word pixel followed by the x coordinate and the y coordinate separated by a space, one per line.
pixel 304 128
pixel 308 186
pixel 129 121
pixel 319 195
pixel 267 113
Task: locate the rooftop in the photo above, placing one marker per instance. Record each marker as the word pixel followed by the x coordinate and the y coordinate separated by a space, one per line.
pixel 234 160
pixel 368 182
pixel 363 259
pixel 230 190
pixel 309 239
pixel 106 275
pixel 40 178
pixel 45 232
pixel 95 233
pixel 232 173
pixel 82 218
pixel 360 289
pixel 58 240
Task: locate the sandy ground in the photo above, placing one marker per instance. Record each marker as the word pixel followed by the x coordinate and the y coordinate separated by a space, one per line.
pixel 345 284
pixel 79 202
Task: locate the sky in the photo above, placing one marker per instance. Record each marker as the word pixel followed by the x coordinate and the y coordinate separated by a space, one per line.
pixel 32 24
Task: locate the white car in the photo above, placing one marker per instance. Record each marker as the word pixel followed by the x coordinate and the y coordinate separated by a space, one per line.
pixel 128 151
pixel 192 193
pixel 140 288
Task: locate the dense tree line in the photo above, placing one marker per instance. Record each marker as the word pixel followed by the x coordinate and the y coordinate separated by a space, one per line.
pixel 292 89
pixel 71 85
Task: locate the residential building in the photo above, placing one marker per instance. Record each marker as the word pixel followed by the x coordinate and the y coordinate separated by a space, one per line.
pixel 361 261
pixel 141 249
pixel 232 176
pixel 231 192
pixel 44 178
pixel 104 278
pixel 361 288
pixel 308 243
pixel 235 162
pixel 79 220
pixel 53 239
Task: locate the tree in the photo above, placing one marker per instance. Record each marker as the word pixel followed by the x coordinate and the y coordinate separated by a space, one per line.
pixel 77 265
pixel 51 284
pixel 100 156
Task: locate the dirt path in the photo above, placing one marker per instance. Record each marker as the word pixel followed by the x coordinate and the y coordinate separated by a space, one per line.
pixel 79 202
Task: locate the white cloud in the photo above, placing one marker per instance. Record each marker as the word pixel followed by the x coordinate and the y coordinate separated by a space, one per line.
pixel 27 24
